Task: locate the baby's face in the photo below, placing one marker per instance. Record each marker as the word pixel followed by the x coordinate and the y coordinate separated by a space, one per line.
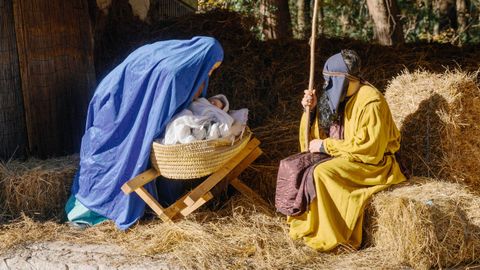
pixel 216 102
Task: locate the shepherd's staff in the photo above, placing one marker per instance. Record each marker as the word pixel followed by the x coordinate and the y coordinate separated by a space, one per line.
pixel 312 69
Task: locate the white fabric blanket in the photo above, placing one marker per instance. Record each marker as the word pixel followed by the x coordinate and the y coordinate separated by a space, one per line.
pixel 202 120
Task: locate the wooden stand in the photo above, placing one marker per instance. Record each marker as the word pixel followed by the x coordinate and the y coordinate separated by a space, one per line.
pixel 201 194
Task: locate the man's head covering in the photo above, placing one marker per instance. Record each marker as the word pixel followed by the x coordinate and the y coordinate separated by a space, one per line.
pixel 132 106
pixel 336 83
pixel 337 70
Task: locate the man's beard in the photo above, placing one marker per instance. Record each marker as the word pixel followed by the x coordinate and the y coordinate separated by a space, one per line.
pixel 325 116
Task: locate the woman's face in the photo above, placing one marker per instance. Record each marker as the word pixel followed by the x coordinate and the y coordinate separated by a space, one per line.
pixel 217 64
pixel 199 91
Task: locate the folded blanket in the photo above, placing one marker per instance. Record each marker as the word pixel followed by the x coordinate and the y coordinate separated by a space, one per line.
pixel 203 121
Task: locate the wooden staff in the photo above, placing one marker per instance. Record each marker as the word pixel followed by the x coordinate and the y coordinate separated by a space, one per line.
pixel 312 69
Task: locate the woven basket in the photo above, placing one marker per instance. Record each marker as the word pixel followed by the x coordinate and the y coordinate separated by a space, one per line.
pixel 196 159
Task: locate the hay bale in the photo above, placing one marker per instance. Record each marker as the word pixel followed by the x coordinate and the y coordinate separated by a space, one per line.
pixel 428 224
pixel 438 115
pixel 37 188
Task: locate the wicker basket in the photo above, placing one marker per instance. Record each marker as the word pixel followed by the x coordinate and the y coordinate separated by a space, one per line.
pixel 196 159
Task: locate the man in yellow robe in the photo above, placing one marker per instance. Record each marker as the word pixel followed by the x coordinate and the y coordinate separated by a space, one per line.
pixel 363 161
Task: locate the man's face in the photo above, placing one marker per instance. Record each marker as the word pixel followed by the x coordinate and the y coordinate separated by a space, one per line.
pixel 325 115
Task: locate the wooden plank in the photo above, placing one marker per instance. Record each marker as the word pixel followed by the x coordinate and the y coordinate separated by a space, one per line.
pixel 55 50
pixel 216 177
pixel 176 207
pixel 244 164
pixel 247 191
pixel 140 180
pixel 12 119
pixel 189 209
pixel 180 206
pixel 156 207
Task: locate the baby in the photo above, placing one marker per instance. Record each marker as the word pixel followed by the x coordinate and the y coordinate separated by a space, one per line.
pixel 206 119
pixel 217 102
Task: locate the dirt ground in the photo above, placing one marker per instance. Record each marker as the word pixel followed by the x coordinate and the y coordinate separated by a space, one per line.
pixel 68 256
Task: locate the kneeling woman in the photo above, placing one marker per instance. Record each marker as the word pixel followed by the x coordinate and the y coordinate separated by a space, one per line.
pixel 363 161
pixel 130 108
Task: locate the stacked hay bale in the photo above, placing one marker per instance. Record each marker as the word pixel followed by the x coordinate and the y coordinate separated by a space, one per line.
pixel 428 224
pixel 438 115
pixel 37 188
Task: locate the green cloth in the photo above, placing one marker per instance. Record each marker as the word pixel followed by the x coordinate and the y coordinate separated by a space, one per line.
pixel 78 213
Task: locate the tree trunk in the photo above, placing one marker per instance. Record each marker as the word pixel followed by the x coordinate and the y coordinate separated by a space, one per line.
pixel 462 18
pixel 344 21
pixel 303 18
pixel 386 17
pixel 446 16
pixel 275 19
pixel 321 16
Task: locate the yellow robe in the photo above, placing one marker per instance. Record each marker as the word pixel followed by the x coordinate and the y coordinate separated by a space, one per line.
pixel 363 164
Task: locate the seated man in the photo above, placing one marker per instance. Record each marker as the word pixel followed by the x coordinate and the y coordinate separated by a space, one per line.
pixel 363 161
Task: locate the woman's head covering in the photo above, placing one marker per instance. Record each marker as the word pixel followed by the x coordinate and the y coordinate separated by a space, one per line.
pixel 132 106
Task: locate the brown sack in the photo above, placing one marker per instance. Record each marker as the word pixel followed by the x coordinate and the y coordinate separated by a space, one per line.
pixel 295 186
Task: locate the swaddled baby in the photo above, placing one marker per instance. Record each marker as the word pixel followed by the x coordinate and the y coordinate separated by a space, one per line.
pixel 206 119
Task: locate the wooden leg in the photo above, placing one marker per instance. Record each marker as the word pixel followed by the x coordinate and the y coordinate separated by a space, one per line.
pixel 248 192
pixel 180 207
pixel 188 210
pixel 156 207
pixel 202 193
pixel 139 180
pixel 211 181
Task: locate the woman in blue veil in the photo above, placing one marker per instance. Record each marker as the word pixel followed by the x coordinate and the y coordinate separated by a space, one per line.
pixel 129 109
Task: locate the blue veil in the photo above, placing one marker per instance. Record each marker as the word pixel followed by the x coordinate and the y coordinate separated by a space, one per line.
pixel 130 108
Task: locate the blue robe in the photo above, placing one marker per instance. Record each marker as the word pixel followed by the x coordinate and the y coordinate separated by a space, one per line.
pixel 130 108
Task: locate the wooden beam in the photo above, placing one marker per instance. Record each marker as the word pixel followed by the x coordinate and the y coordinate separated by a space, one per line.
pixel 244 164
pixel 176 207
pixel 140 180
pixel 189 209
pixel 180 207
pixel 248 192
pixel 216 177
pixel 57 74
pixel 156 207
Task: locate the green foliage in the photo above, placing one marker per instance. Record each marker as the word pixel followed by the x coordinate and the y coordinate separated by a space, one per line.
pixel 347 18
pixel 350 18
pixel 421 20
pixel 245 7
pixel 241 6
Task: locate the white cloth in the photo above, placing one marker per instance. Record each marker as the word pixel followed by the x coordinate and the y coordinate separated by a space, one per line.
pixel 202 120
pixel 240 121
